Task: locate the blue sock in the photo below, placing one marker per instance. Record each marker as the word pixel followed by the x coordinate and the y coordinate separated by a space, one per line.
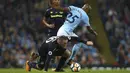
pixel 75 49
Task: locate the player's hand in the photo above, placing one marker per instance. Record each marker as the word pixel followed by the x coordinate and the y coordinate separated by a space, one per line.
pixel 51 25
pixel 89 43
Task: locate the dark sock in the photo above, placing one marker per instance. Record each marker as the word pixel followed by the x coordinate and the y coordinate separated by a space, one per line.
pixel 32 64
pixel 61 63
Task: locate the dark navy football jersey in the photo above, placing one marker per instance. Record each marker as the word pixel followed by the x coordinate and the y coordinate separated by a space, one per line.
pixel 54 16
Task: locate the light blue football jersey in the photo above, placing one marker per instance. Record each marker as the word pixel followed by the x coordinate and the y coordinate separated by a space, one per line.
pixel 74 18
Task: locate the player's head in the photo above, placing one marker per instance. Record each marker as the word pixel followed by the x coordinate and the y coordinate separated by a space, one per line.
pixel 86 8
pixel 55 2
pixel 63 40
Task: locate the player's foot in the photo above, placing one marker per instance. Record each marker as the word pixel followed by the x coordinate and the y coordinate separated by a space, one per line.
pixel 28 68
pixel 70 62
pixel 61 70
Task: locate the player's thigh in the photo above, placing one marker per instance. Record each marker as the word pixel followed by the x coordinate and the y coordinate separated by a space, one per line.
pixel 67 53
pixel 42 50
pixel 62 32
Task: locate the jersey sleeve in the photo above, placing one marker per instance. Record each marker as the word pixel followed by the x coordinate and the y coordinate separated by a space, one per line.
pixel 86 20
pixel 46 14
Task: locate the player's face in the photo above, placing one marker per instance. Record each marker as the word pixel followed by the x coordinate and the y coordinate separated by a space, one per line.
pixel 56 2
pixel 63 42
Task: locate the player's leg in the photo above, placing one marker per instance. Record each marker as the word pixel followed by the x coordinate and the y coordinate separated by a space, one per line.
pixel 40 64
pixel 33 57
pixel 62 32
pixel 37 65
pixel 75 39
pixel 40 60
pixel 62 61
pixel 79 44
pixel 75 49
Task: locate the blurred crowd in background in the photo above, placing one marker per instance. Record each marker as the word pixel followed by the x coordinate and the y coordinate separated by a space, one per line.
pixel 21 31
pixel 115 15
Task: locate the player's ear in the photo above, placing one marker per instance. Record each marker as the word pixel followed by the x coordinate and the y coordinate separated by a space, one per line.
pixel 87 8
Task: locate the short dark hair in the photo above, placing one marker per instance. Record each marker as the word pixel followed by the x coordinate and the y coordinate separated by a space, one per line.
pixel 63 37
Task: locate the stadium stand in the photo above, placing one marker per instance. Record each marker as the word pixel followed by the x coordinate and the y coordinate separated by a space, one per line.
pixel 115 15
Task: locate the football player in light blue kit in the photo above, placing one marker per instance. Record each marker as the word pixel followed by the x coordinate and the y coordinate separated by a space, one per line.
pixel 74 18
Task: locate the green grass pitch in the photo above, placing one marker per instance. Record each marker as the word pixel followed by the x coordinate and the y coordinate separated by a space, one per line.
pixel 67 70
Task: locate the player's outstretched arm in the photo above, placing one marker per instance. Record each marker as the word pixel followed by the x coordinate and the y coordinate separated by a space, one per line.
pixel 92 31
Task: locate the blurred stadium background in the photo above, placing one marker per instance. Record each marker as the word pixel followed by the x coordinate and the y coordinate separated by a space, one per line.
pixel 21 32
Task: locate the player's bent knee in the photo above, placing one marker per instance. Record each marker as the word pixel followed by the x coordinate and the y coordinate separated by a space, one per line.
pixel 67 54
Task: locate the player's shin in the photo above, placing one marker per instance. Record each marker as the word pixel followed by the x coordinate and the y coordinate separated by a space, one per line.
pixel 61 63
pixel 75 49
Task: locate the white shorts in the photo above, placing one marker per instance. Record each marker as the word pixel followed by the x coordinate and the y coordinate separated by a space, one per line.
pixel 63 32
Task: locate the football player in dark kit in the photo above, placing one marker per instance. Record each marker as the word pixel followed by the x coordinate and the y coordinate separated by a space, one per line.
pixel 54 46
pixel 53 18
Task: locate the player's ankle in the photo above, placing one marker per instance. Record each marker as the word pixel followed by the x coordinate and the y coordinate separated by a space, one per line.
pixel 70 62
